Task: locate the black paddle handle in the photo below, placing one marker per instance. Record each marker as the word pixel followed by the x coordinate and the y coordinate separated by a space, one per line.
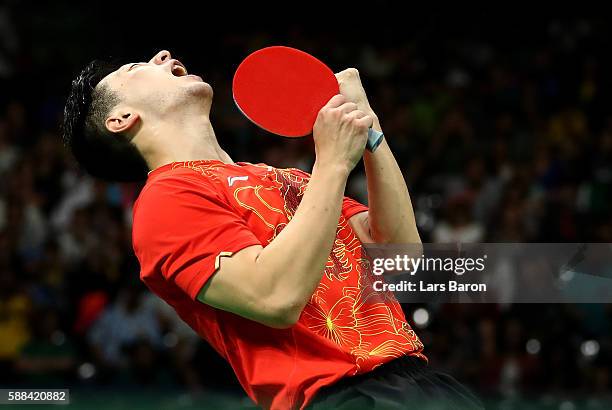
pixel 374 139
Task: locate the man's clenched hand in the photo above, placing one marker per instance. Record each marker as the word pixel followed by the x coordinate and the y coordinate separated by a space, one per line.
pixel 352 89
pixel 340 133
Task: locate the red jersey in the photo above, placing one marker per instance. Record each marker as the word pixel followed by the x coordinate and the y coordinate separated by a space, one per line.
pixel 189 214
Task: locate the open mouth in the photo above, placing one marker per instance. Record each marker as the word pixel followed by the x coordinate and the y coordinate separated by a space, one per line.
pixel 178 69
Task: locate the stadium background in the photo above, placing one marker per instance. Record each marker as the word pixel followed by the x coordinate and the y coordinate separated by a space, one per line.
pixel 503 129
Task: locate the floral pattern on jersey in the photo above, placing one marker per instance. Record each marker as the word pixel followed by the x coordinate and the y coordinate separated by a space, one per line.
pixel 365 323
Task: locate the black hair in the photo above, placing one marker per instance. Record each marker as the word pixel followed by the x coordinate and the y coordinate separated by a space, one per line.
pixel 103 154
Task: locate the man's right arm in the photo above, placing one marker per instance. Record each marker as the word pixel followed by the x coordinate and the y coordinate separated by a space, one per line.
pixel 272 285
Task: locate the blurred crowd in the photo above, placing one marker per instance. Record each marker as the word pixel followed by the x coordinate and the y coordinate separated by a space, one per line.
pixel 498 141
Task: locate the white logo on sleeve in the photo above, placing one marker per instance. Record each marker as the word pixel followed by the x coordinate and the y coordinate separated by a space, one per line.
pixel 231 180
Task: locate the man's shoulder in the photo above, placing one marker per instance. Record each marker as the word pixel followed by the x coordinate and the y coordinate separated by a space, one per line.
pixel 176 178
pixel 173 184
pixel 167 202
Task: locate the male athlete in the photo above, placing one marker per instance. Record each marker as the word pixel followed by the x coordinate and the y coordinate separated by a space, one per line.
pixel 263 263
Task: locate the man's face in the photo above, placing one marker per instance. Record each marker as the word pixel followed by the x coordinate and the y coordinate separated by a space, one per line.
pixel 160 86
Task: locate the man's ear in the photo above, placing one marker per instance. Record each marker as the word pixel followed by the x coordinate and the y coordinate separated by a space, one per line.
pixel 121 119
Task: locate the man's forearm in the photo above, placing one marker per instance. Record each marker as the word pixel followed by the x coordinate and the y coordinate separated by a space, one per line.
pixel 391 216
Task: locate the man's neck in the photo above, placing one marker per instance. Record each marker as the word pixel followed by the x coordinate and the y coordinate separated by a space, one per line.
pixel 189 140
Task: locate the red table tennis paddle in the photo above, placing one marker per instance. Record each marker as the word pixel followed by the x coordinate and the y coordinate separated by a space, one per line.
pixel 281 89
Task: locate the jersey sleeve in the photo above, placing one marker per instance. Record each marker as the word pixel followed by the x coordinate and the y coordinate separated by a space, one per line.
pixel 181 228
pixel 350 207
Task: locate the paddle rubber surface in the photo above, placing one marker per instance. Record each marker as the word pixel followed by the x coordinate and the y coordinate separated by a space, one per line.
pixel 281 89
